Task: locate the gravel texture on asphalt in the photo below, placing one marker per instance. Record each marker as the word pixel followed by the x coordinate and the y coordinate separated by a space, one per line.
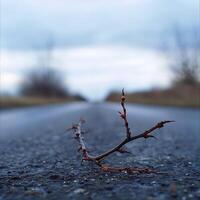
pixel 39 160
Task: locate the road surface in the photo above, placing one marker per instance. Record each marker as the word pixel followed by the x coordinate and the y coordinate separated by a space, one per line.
pixel 39 160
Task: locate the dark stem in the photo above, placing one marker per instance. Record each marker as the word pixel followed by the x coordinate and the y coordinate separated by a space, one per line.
pixel 123 115
pixel 142 135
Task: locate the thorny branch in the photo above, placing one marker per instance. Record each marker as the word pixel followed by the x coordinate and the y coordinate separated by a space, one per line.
pixel 79 137
pixel 123 115
pixel 77 128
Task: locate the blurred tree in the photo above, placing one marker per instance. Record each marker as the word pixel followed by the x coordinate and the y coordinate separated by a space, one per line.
pixel 186 66
pixel 44 81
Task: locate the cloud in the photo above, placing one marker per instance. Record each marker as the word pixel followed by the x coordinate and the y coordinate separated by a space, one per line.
pixel 28 24
pixel 9 81
pixel 94 70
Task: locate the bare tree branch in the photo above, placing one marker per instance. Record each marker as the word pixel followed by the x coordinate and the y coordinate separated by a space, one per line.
pixel 118 148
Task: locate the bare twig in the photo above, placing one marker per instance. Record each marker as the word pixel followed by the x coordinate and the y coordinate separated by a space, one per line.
pixel 79 137
pixel 118 148
pixel 123 115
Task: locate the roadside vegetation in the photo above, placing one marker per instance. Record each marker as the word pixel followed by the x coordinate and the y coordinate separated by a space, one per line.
pixel 41 85
pixel 180 95
pixel 44 82
pixel 185 84
pixel 13 102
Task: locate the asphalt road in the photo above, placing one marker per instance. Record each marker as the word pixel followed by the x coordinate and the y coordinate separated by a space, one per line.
pixel 39 160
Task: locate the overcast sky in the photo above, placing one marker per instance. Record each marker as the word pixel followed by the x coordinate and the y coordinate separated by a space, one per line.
pixel 100 45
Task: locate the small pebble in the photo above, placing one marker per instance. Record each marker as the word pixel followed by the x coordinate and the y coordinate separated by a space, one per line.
pixel 79 191
pixel 190 196
pixel 35 191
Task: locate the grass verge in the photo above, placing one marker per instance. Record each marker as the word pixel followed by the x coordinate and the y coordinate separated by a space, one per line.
pixel 14 102
pixel 184 96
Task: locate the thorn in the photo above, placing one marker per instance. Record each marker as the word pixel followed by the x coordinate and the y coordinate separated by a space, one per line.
pixel 150 136
pixel 162 123
pixel 73 127
pixel 168 121
pixel 171 121
pixel 85 131
pixel 121 115
pixel 68 129
pixel 123 150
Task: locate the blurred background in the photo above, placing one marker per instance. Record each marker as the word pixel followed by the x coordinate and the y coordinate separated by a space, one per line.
pixel 58 51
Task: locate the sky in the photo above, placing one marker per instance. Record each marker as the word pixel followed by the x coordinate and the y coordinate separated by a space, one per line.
pixel 99 46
